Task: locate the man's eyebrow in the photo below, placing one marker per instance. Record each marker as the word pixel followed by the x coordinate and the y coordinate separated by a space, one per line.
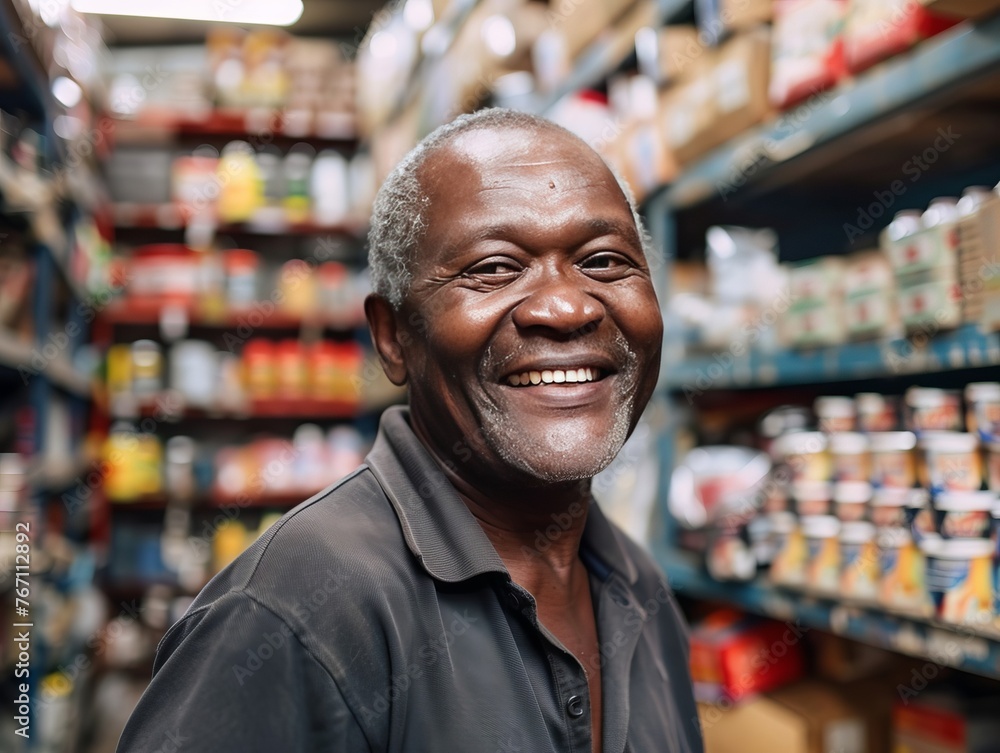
pixel 595 227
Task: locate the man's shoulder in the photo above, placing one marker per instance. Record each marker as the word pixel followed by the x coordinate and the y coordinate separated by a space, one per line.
pixel 334 542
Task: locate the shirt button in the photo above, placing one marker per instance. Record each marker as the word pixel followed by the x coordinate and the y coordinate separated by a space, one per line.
pixel 575 706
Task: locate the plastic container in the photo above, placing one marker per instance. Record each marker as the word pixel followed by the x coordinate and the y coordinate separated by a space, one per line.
pixel 859 566
pixel 951 461
pixel 805 453
pixel 902 585
pixel 147 369
pixel 920 515
pixel 242 267
pixel 788 568
pixel 812 497
pixel 876 412
pixel 259 369
pixel 822 534
pixel 888 508
pixel 892 456
pixel 849 452
pixel 929 409
pixel 851 500
pixel 960 580
pixel 993 465
pixel 194 372
pixel 708 475
pixel 835 414
pixel 784 419
pixel 982 410
pixel 964 515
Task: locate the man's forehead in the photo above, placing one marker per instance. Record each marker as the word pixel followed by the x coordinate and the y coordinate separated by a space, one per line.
pixel 500 155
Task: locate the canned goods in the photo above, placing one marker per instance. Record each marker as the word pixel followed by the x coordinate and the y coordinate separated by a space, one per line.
pixel 951 461
pixel 960 579
pixel 859 567
pixel 964 515
pixel 893 462
pixel 821 534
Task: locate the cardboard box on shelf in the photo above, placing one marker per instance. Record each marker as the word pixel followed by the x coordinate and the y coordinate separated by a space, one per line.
pixel 724 94
pixel 579 22
pixel 719 18
pixel 735 656
pixel 877 29
pixel 666 54
pixel 647 161
pixel 808 52
pixel 742 71
pixel 806 717
pixel 939 721
pixel 962 8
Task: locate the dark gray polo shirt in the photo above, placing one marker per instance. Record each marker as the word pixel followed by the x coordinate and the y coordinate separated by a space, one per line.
pixel 377 616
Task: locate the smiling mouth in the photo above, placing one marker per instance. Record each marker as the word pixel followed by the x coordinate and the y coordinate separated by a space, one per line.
pixel 554 376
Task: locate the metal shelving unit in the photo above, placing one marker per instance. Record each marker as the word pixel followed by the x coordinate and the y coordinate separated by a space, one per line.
pixel 599 60
pixel 770 163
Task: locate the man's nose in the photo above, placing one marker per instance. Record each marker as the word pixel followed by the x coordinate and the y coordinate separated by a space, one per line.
pixel 559 304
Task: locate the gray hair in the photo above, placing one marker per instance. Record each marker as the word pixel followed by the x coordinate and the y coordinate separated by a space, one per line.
pixel 399 219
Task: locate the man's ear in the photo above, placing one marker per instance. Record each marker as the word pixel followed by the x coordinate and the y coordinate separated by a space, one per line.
pixel 385 336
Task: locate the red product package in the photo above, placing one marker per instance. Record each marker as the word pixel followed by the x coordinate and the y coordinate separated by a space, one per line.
pixel 877 29
pixel 807 52
pixel 734 656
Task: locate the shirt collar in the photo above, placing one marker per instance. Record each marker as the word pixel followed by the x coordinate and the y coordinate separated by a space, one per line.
pixel 439 529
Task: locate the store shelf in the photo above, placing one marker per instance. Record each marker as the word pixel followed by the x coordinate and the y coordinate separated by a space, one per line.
pixel 965 348
pixel 937 65
pixel 169 217
pixel 235 123
pixel 276 500
pixel 146 313
pixel 304 409
pixel 966 648
pixel 18 355
pixel 600 60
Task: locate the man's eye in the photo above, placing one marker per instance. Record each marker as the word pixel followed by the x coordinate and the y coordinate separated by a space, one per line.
pixel 493 268
pixel 606 261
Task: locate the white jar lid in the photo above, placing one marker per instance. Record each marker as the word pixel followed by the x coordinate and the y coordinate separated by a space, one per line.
pixel 892 441
pixel 801 443
pixel 929 397
pixel 917 498
pixel 852 492
pixel 957 549
pixel 783 522
pixel 857 532
pixel 949 441
pixel 966 501
pixel 812 491
pixel 834 407
pixel 893 537
pixel 848 443
pixel 820 526
pixel 982 391
pixel 890 496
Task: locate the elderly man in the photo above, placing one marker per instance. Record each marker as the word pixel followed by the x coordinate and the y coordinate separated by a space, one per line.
pixel 461 591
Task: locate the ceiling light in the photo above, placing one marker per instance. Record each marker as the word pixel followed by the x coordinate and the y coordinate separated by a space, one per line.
pixel 268 12
pixel 418 14
pixel 67 91
pixel 499 35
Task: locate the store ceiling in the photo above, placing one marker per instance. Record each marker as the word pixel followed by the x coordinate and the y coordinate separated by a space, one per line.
pixel 342 19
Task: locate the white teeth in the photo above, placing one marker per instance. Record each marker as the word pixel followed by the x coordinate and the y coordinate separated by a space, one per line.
pixel 553 376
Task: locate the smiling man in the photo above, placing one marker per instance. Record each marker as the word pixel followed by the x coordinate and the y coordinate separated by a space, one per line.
pixel 411 607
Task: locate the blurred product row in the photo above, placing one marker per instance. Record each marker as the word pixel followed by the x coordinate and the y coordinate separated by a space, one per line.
pixel 888 503
pixel 934 270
